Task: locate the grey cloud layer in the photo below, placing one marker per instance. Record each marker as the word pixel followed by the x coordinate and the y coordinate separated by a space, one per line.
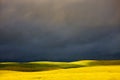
pixel 59 30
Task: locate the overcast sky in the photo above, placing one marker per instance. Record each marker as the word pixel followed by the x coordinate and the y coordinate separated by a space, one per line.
pixel 59 30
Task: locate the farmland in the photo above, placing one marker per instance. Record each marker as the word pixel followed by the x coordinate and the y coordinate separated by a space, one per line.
pixel 78 70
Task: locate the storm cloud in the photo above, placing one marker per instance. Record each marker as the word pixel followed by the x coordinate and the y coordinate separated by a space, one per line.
pixel 59 30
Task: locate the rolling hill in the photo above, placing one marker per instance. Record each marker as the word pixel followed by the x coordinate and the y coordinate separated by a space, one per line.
pixel 78 70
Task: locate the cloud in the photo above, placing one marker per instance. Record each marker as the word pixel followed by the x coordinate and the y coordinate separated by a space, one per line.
pixel 59 30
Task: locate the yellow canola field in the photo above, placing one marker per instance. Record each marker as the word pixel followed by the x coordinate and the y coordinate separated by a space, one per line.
pixel 110 72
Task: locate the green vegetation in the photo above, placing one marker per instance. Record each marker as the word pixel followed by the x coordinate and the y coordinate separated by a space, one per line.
pixel 44 66
pixel 36 66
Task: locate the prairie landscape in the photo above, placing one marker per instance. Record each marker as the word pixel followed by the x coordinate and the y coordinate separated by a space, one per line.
pixel 46 70
pixel 65 39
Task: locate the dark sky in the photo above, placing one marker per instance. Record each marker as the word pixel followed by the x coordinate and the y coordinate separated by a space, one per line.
pixel 59 30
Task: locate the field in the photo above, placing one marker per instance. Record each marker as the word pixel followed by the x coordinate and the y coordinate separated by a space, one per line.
pixel 78 70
